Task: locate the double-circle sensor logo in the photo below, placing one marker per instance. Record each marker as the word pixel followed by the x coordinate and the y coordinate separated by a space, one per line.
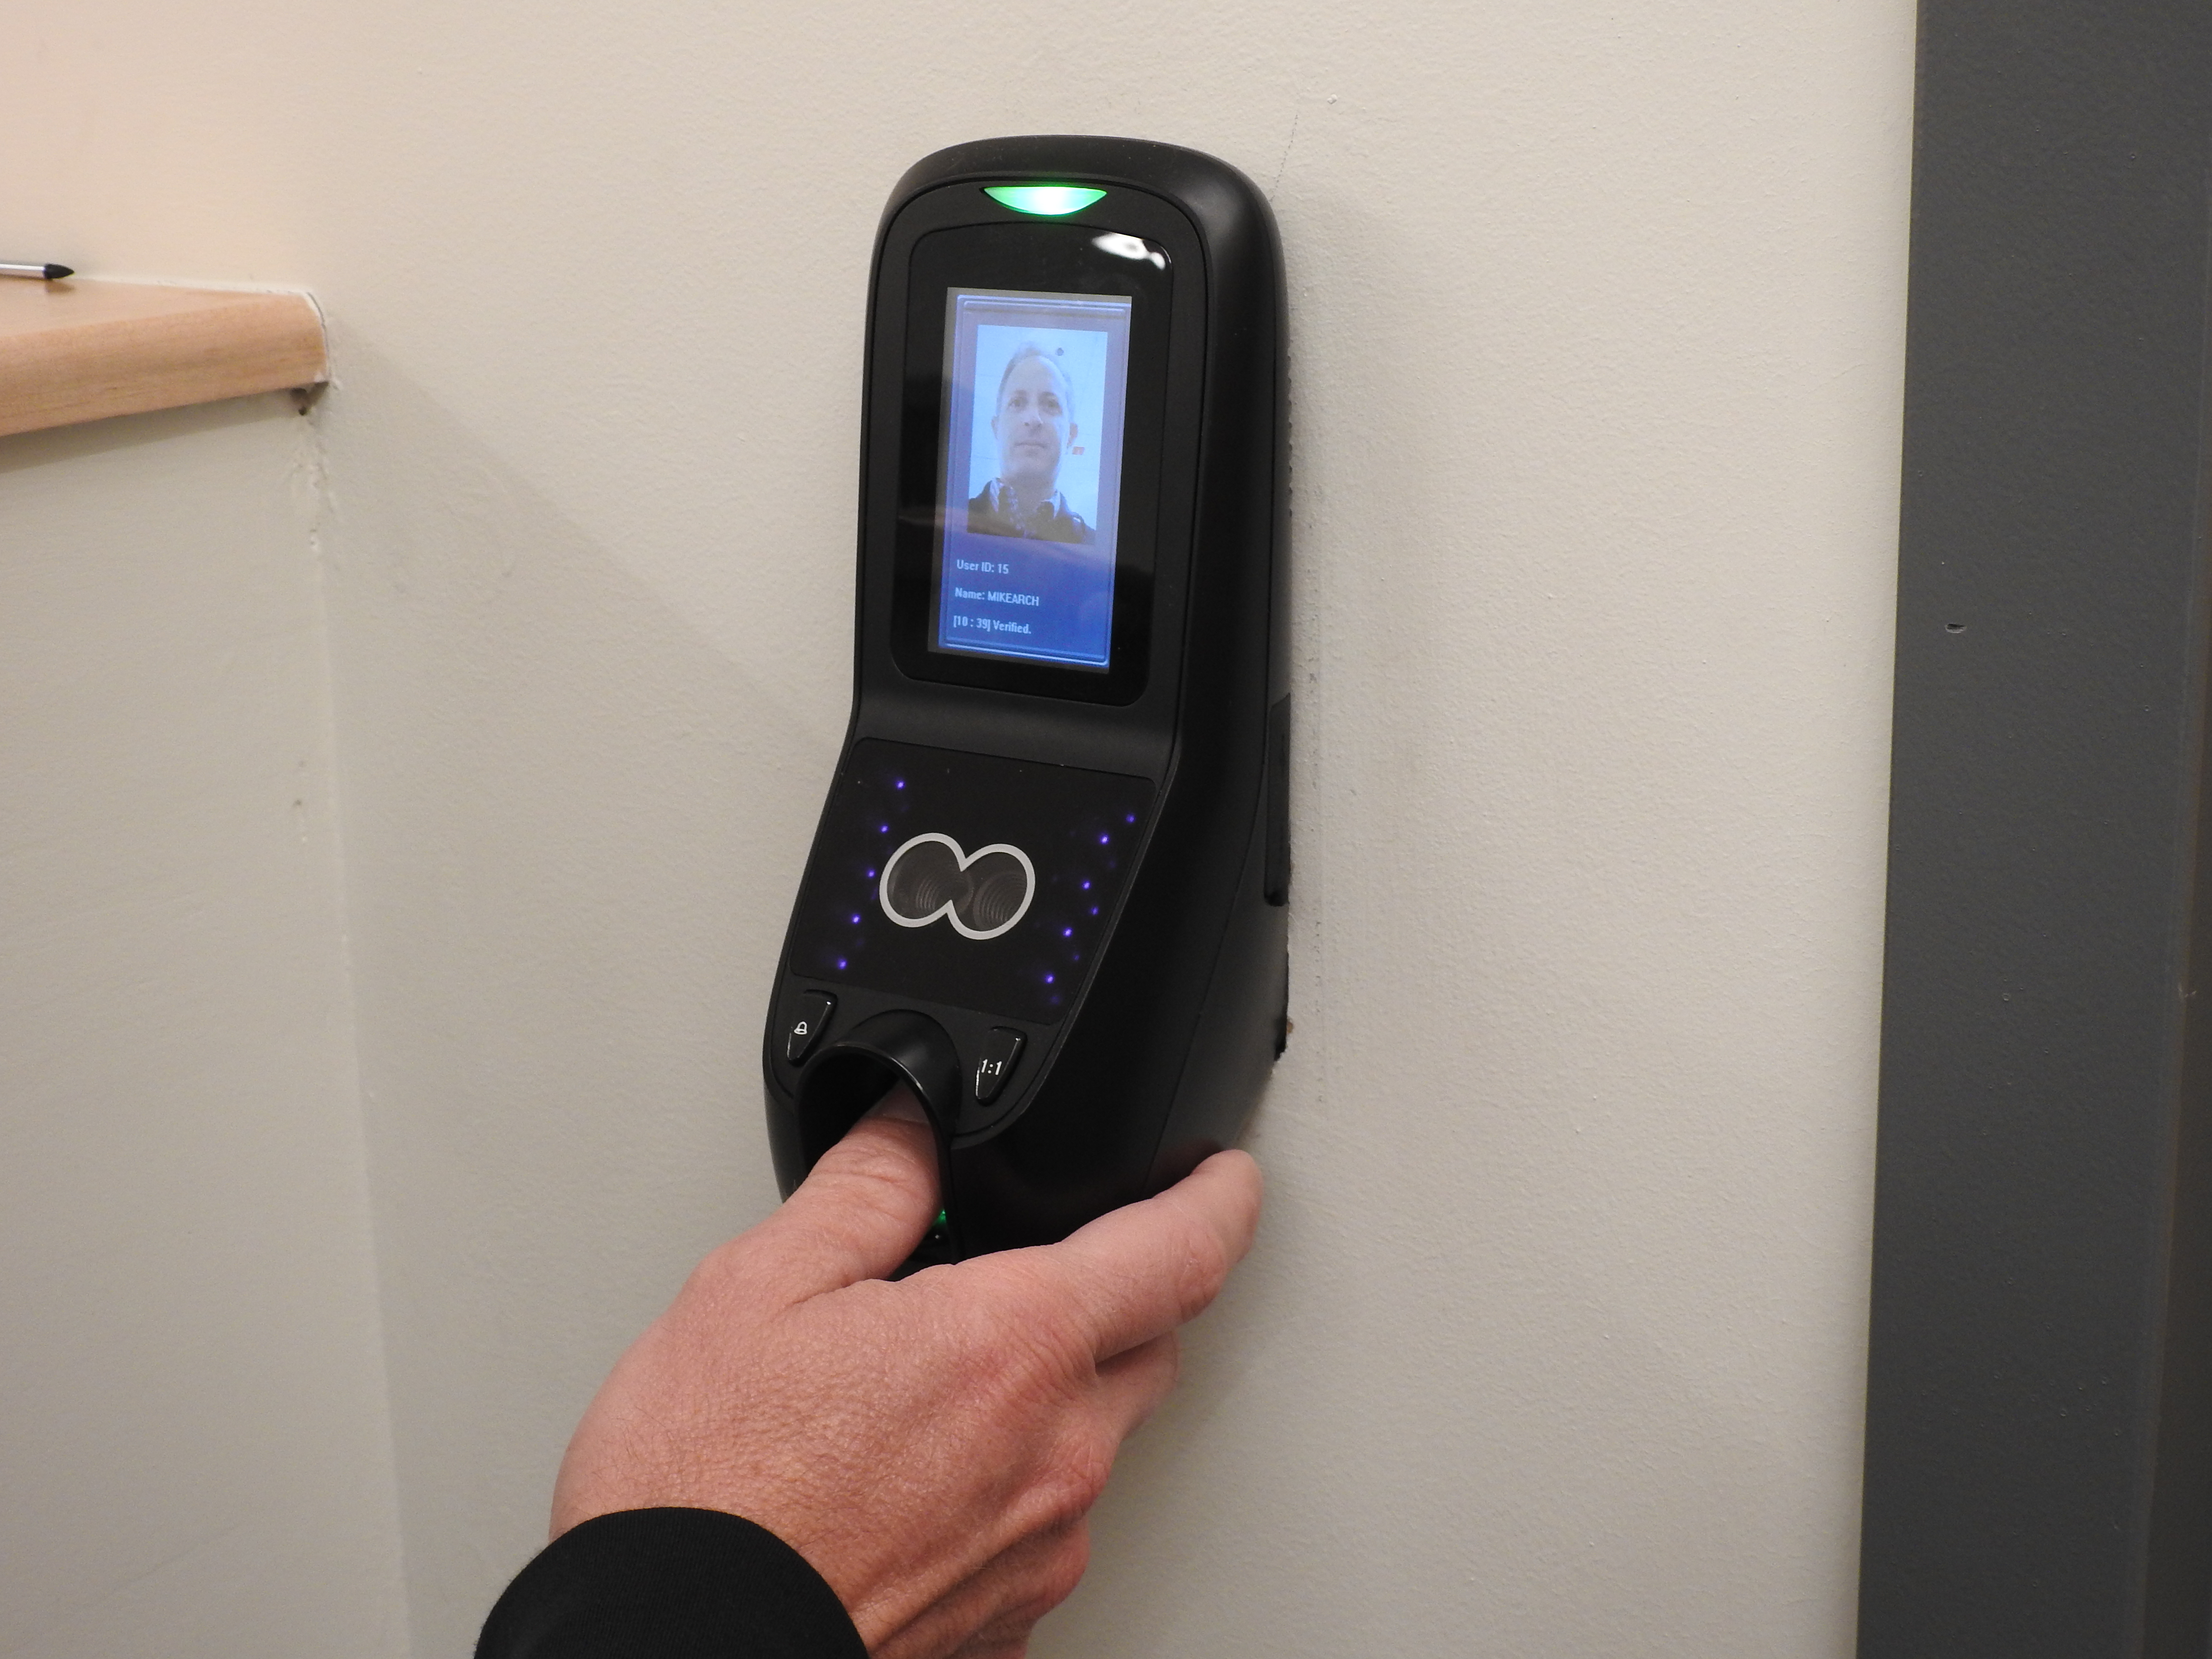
pixel 982 894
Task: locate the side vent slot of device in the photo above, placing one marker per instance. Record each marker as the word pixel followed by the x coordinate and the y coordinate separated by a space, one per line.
pixel 1278 876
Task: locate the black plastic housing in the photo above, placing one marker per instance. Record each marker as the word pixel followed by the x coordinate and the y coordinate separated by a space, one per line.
pixel 1162 786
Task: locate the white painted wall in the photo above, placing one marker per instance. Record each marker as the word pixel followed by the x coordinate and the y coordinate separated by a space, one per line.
pixel 1553 1341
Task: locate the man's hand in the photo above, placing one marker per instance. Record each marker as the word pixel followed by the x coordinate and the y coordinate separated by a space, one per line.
pixel 931 1446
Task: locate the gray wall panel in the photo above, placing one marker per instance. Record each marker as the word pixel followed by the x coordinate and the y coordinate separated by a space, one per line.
pixel 2035 1468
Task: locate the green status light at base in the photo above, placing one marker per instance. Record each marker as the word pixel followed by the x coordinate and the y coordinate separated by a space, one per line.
pixel 1050 200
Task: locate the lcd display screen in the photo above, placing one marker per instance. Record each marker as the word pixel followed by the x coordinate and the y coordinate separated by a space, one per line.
pixel 1029 487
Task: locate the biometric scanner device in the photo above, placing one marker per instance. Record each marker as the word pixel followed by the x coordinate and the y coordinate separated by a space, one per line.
pixel 1047 889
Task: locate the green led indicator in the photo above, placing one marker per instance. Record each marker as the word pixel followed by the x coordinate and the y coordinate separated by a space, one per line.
pixel 1050 200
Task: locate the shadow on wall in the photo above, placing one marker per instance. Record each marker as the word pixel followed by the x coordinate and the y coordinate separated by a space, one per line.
pixel 572 830
pixel 26 451
pixel 194 1450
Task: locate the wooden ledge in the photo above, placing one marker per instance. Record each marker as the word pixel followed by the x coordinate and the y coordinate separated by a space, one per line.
pixel 81 351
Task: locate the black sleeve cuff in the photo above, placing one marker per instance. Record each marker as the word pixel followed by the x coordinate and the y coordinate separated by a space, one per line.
pixel 669 1584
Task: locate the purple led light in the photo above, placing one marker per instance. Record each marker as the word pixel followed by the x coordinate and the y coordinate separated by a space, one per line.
pixel 1065 933
pixel 1094 909
pixel 1086 886
pixel 872 875
pixel 841 962
pixel 1048 979
pixel 1129 817
pixel 856 921
pixel 1103 840
pixel 900 784
pixel 884 829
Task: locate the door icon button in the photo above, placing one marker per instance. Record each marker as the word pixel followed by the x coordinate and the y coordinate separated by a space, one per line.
pixel 815 1008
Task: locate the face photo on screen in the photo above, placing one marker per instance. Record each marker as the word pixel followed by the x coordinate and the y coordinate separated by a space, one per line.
pixel 1035 385
pixel 1036 420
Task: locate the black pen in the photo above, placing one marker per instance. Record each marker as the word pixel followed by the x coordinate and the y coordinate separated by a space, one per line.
pixel 36 273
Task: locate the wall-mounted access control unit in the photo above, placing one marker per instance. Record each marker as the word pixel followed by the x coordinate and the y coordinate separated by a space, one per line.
pixel 1048 889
